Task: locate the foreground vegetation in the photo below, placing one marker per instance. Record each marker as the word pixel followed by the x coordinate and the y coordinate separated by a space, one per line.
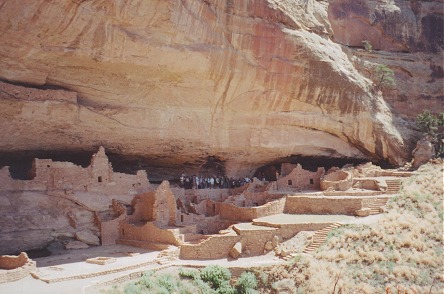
pixel 212 279
pixel 402 253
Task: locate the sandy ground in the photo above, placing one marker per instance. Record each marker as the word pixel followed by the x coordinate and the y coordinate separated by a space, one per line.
pixel 70 263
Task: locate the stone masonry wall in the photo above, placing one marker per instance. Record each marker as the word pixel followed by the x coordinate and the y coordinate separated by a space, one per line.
pixel 164 207
pixel 229 211
pixel 97 178
pixel 215 247
pixel 109 231
pixel 148 233
pixel 322 205
pixel 300 179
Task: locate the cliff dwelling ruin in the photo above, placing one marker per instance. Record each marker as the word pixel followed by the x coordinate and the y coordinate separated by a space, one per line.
pixel 202 223
pixel 137 135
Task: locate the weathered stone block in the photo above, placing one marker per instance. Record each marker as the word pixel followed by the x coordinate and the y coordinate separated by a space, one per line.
pixel 236 251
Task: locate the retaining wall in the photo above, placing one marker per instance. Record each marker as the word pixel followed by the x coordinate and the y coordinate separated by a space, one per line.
pixel 322 205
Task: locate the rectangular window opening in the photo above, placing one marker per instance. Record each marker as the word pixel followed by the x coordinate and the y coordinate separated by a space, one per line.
pixel 99 179
pixel 290 182
pixel 311 182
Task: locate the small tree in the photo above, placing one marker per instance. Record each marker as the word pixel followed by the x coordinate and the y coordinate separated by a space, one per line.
pixel 427 122
pixel 431 124
pixel 215 276
pixel 384 77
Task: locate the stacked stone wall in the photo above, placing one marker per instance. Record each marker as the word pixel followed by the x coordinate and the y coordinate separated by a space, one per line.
pixel 97 178
pixel 148 233
pixel 322 205
pixel 229 211
pixel 215 247
pixel 299 179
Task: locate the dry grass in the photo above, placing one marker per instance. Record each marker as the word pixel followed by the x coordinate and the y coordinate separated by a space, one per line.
pixel 403 251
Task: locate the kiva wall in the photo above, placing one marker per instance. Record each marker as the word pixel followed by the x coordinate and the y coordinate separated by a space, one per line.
pixel 229 211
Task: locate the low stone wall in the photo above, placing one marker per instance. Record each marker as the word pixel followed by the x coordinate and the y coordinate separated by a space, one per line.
pixel 229 211
pixel 13 268
pixel 149 233
pixel 338 180
pixel 322 205
pixel 215 247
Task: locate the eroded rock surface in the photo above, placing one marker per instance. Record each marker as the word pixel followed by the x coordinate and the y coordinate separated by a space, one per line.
pixel 245 82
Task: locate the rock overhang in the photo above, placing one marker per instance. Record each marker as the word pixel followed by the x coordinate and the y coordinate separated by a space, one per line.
pixel 238 82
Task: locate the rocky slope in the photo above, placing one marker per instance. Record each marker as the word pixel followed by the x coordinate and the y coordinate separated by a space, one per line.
pixel 179 81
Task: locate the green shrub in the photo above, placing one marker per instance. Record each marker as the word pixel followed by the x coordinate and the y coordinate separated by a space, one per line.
pixel 215 276
pixel 191 274
pixel 247 281
pixel 146 280
pixel 428 122
pixel 132 288
pixel 167 282
pixel 203 287
pixel 225 288
pixel 384 77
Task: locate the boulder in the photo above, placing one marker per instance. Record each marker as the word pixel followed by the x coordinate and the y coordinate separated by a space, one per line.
pixel 268 246
pixel 236 251
pixel 363 212
pixel 75 245
pixel 87 237
pixel 423 152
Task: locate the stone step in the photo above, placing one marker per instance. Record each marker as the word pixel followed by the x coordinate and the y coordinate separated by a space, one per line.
pixel 320 237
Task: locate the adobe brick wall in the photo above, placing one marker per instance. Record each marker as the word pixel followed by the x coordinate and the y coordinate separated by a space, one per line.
pixel 322 205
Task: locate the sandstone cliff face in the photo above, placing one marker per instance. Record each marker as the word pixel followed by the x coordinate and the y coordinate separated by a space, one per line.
pixel 410 35
pixel 178 81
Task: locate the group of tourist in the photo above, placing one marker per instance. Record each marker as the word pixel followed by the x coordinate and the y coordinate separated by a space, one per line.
pixel 213 182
